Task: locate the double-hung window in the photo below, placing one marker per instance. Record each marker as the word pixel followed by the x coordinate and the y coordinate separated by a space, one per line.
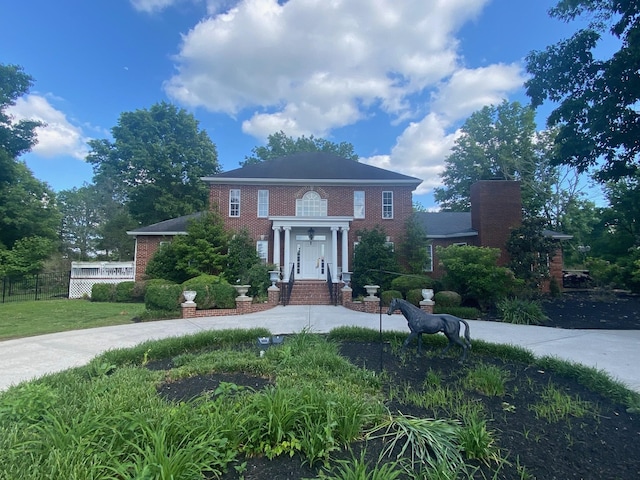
pixel 234 202
pixel 358 204
pixel 263 203
pixel 387 204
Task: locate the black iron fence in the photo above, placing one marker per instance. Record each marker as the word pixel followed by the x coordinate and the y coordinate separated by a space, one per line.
pixel 41 286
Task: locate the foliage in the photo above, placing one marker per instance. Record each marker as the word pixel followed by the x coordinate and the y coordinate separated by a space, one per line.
pixel 447 298
pixel 387 295
pixel 279 145
pixel 499 142
pixel 103 292
pixel 155 163
pixel 81 218
pixel 164 297
pixel 373 261
pixel 125 291
pixel 414 296
pixel 473 272
pixel 413 246
pixel 202 251
pixel 27 256
pixel 522 312
pixel 596 98
pixel 530 251
pixel 404 283
pixel 211 291
pixel 241 256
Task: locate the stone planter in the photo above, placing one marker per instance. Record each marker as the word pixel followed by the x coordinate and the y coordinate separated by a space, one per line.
pixel 274 276
pixel 189 296
pixel 371 290
pixel 427 294
pixel 242 290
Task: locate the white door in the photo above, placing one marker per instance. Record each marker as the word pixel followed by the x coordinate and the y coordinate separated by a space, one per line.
pixel 311 260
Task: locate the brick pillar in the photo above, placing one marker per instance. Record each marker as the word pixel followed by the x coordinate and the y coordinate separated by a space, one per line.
pixel 188 309
pixel 427 306
pixel 273 294
pixel 371 304
pixel 243 304
pixel 347 295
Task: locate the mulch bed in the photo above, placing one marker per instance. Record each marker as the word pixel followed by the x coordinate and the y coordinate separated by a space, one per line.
pixel 604 446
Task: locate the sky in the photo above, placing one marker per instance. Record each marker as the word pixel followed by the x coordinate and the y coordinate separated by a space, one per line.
pixel 395 78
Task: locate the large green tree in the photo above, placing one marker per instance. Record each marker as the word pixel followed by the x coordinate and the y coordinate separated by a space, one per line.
pixel 81 217
pixel 597 99
pixel 155 162
pixel 279 144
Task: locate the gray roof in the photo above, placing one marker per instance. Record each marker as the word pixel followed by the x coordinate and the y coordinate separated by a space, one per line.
pixel 173 226
pixel 446 224
pixel 318 167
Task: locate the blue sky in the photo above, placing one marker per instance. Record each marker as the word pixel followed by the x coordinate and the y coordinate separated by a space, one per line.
pixel 395 78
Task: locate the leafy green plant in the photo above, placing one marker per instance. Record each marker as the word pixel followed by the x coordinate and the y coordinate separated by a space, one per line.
pixel 476 440
pixel 359 469
pixel 557 405
pixel 124 292
pixel 414 296
pixel 404 283
pixel 522 312
pixel 487 379
pixel 164 297
pixel 447 298
pixel 388 295
pixel 103 292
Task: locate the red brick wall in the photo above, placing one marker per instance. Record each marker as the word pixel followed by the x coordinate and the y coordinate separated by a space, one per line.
pixel 146 246
pixel 496 208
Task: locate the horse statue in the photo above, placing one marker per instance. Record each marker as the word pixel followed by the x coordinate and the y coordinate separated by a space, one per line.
pixel 422 322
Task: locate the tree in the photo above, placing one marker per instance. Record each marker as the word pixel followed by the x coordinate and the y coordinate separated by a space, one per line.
pixel 155 163
pixel 202 251
pixel 279 145
pixel 497 142
pixel 373 259
pixel 81 217
pixel 413 247
pixel 241 257
pixel 597 115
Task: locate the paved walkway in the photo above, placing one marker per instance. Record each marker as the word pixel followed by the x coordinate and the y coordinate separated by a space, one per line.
pixel 616 352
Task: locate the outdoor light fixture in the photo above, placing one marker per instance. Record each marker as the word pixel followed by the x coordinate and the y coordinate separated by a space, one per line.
pixel 311 232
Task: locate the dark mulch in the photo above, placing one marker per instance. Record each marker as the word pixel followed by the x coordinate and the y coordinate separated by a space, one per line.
pixel 602 446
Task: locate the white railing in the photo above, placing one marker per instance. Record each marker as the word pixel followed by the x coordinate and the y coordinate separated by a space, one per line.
pixel 85 274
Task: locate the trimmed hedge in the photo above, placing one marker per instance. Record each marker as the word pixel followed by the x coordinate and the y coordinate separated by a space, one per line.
pixel 414 296
pixel 163 296
pixel 447 298
pixel 211 292
pixel 411 282
pixel 462 312
pixel 124 291
pixel 388 295
pixel 103 292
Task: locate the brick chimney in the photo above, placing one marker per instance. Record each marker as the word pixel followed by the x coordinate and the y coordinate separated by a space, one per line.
pixel 496 208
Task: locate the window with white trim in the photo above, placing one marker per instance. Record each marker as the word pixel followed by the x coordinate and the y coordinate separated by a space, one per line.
pixel 234 202
pixel 263 203
pixel 311 205
pixel 387 204
pixel 358 204
pixel 428 267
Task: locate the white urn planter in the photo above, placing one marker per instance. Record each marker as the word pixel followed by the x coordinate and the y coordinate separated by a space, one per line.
pixel 242 290
pixel 274 276
pixel 427 294
pixel 189 296
pixel 371 290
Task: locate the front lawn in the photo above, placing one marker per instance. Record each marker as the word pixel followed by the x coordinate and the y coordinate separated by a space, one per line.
pixel 25 319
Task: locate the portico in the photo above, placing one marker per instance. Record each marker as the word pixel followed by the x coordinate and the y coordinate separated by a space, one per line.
pixel 311 245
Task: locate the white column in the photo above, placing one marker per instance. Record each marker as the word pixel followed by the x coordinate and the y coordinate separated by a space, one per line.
pixel 345 249
pixel 276 246
pixel 287 253
pixel 334 253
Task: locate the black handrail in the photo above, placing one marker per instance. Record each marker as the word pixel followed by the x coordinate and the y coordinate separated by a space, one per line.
pixel 333 294
pixel 287 294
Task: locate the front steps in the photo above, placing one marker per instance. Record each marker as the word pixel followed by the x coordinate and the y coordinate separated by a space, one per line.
pixel 310 292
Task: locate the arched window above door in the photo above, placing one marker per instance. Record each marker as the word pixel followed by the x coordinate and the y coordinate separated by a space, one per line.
pixel 311 205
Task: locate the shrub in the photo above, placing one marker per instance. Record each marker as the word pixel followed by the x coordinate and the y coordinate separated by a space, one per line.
pixel 124 291
pixel 202 285
pixel 139 289
pixel 415 296
pixel 411 282
pixel 224 294
pixel 103 292
pixel 447 298
pixel 523 312
pixel 388 295
pixel 163 296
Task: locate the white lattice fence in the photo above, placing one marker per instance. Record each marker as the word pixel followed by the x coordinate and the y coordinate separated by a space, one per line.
pixel 84 275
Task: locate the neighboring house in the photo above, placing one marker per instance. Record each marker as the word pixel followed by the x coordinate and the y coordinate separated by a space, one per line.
pixel 303 211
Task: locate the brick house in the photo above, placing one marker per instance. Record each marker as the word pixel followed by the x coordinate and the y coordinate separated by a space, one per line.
pixel 304 211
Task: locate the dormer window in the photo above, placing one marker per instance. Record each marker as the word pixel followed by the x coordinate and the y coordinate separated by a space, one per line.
pixel 311 205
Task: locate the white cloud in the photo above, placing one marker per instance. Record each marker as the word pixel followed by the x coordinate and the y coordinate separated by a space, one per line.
pixel 307 63
pixel 58 137
pixel 152 6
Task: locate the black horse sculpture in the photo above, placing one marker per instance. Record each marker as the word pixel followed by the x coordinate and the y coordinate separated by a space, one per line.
pixel 421 322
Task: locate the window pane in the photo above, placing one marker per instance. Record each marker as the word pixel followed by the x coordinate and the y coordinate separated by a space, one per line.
pixel 387 204
pixel 234 203
pixel 358 204
pixel 263 203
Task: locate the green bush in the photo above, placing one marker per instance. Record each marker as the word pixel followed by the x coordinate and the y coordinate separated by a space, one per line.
pixel 388 295
pixel 462 312
pixel 163 296
pixel 411 282
pixel 139 289
pixel 414 296
pixel 447 298
pixel 103 292
pixel 523 312
pixel 224 294
pixel 124 292
pixel 202 285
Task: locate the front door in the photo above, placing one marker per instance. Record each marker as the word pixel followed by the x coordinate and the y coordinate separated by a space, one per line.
pixel 311 259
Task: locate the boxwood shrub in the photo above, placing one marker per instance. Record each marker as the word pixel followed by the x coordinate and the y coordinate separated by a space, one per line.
pixel 211 291
pixel 388 295
pixel 163 296
pixel 447 298
pixel 124 292
pixel 103 292
pixel 414 296
pixel 411 282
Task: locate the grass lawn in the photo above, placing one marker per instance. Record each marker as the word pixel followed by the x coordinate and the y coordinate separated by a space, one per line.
pixel 24 319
